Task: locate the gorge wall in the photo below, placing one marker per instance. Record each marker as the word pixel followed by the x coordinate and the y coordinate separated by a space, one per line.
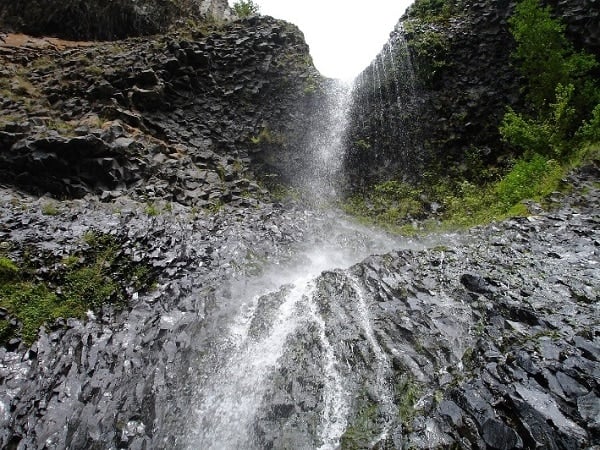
pixel 153 294
pixel 435 95
pixel 173 117
pixel 106 19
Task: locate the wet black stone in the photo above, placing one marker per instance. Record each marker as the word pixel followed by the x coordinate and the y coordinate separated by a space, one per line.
pixel 498 435
pixel 475 283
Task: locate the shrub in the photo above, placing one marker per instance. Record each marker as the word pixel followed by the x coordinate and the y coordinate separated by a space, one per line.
pixel 546 135
pixel 8 269
pixel 590 130
pixel 49 209
pixel 434 10
pixel 546 58
pixel 529 179
pixel 245 8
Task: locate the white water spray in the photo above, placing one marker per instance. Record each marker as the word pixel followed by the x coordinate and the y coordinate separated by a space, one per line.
pixel 270 311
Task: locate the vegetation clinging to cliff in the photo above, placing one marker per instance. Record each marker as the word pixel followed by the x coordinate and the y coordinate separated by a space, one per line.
pixel 34 292
pixel 558 130
pixel 245 8
pixel 561 88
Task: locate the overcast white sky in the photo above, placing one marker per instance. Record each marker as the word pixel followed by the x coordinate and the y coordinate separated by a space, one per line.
pixel 344 35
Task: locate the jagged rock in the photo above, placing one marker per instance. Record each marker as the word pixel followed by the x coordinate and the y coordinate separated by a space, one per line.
pixel 79 20
pixel 175 108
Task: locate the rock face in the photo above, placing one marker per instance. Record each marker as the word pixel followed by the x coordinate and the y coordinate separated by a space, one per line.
pixel 435 96
pixel 489 340
pixel 105 19
pixel 172 117
pixel 121 378
pixel 267 326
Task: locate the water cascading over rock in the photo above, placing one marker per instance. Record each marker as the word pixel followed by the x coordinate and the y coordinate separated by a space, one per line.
pixel 279 374
pixel 384 107
pixel 458 63
pixel 289 327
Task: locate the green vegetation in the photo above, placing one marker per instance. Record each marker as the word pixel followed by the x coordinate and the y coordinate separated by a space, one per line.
pixel 407 393
pixel 393 205
pixel 366 425
pixel 50 209
pixel 560 85
pixel 430 47
pixel 547 59
pixel 152 209
pixel 558 130
pixel 77 283
pixel 435 10
pixel 363 430
pixel 245 8
pixel 311 85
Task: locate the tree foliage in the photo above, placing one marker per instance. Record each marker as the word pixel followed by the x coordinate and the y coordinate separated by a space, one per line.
pixel 561 88
pixel 245 8
pixel 546 58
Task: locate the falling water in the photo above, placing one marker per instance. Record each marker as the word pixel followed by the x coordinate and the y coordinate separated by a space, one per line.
pixel 273 311
pixel 386 114
pixel 382 364
pixel 272 317
pixel 405 78
pixel 334 397
pixel 325 147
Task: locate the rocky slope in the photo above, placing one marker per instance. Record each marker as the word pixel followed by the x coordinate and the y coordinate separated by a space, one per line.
pixel 217 335
pixel 433 99
pixel 489 339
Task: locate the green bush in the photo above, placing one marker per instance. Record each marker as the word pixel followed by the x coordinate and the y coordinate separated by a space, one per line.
pixel 434 10
pixel 245 8
pixel 528 179
pixel 546 135
pixel 560 86
pixel 8 269
pixel 546 58
pixel 590 130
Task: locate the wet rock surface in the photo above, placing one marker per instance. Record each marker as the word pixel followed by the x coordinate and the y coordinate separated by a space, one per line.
pixel 256 333
pixel 488 339
pixel 105 20
pixel 485 339
pixel 119 378
pixel 437 92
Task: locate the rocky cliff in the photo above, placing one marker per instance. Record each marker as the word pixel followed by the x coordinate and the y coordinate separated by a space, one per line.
pixel 106 19
pixel 154 295
pixel 173 117
pixel 434 97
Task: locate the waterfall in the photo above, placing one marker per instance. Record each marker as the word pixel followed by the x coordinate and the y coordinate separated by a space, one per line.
pixel 276 314
pixel 385 117
pixel 325 152
pixel 277 346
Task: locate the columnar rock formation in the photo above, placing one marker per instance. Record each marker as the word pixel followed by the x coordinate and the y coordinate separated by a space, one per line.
pixel 174 117
pixel 106 19
pixel 463 79
pixel 233 320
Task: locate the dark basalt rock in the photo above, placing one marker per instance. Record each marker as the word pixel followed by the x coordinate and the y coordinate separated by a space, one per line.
pixel 104 19
pixel 436 94
pixel 169 118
